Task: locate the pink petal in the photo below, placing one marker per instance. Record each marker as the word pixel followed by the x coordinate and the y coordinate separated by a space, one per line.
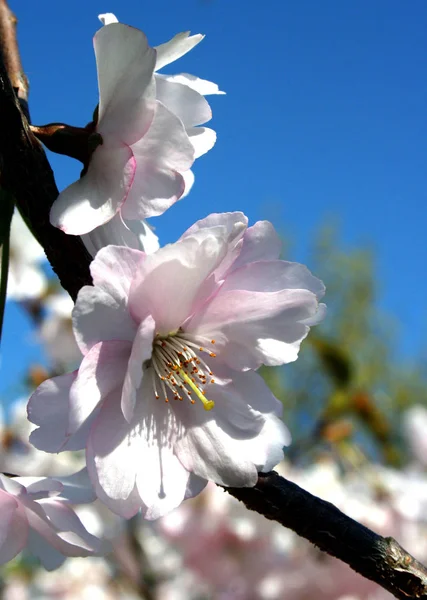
pixel 125 64
pixel 141 351
pixel 169 280
pixel 254 328
pixel 13 527
pixel 187 104
pixel 101 371
pixel 98 195
pixel 179 45
pixel 235 225
pixel 260 242
pixel 165 150
pixel 113 270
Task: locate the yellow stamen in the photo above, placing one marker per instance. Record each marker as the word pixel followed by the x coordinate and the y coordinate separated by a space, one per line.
pixel 207 404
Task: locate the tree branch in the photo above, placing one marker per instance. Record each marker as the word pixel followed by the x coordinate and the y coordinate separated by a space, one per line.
pixel 377 558
pixel 26 173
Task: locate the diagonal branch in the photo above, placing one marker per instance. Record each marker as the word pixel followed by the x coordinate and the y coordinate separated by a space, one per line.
pixel 26 173
pixel 377 558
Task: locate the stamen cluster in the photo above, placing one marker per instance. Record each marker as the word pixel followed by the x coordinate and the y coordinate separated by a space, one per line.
pixel 177 366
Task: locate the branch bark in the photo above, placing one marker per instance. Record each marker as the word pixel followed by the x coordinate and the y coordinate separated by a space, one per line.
pixel 25 172
pixel 377 558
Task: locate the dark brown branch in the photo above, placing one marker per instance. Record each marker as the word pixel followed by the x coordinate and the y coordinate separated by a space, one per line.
pixel 25 170
pixel 377 558
pixel 9 55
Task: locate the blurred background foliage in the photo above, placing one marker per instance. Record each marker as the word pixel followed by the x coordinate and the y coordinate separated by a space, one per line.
pixel 349 385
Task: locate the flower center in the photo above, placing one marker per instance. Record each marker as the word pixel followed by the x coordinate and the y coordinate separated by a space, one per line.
pixel 178 367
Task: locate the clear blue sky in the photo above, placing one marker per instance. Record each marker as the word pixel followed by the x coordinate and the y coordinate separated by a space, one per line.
pixel 325 114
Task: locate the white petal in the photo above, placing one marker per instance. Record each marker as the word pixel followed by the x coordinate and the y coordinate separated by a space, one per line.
pixel 137 235
pixel 202 138
pixel 125 64
pixel 102 371
pixel 189 178
pixel 142 349
pixel 179 45
pixel 203 86
pixel 98 316
pixel 108 18
pixel 98 195
pixel 187 104
pixel 233 441
pixel 113 459
pixel 161 479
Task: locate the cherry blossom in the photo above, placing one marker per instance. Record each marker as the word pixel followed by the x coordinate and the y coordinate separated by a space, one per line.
pixel 146 139
pixel 167 396
pixel 36 516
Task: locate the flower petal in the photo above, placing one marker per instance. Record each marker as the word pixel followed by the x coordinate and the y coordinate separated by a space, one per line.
pixel 102 370
pixel 113 270
pixel 202 138
pixel 233 441
pixel 203 86
pixel 98 195
pixel 258 314
pixel 160 155
pixel 187 104
pixel 131 234
pixel 142 349
pixel 48 408
pixel 100 316
pixel 13 527
pixel 169 281
pixel 77 488
pixel 112 458
pixel 125 64
pixel 179 45
pixel 161 478
pixel 260 242
pixel 108 18
pixel 235 224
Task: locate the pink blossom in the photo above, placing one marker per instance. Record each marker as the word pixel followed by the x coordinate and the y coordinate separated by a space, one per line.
pixel 167 396
pixel 36 515
pixel 148 124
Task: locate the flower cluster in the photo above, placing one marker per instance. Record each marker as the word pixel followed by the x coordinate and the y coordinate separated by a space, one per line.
pixel 167 396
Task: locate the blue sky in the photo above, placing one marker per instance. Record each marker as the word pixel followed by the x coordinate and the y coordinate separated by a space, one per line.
pixel 324 116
